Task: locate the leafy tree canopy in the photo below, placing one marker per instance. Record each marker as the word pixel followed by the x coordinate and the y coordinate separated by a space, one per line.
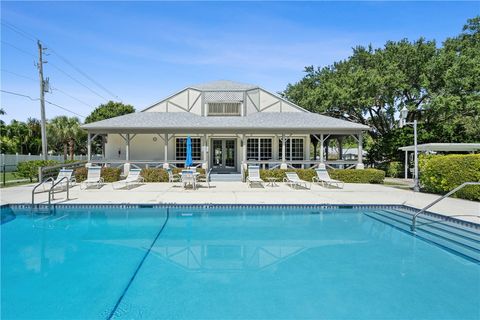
pixel 109 110
pixel 439 85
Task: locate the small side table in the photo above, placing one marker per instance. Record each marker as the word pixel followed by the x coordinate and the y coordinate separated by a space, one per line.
pixel 272 182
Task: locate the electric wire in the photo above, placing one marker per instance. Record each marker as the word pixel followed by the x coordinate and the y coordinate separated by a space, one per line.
pixel 65 60
pixel 53 88
pixel 37 99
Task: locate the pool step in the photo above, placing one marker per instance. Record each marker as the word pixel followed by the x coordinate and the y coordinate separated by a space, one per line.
pixel 458 239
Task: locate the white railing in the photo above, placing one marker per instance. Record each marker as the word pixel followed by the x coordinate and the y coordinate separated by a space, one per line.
pixel 11 160
pixel 140 164
pixel 303 164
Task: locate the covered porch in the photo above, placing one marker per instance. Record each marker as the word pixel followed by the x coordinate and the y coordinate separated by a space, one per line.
pixel 224 144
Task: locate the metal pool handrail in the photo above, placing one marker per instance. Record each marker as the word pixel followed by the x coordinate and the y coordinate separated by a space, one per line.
pixel 38 185
pixel 53 187
pixel 414 218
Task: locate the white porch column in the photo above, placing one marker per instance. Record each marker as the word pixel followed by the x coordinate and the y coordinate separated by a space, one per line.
pixel 205 152
pixel 244 148
pixel 244 157
pixel 322 148
pixel 165 151
pixel 307 148
pixel 284 164
pixel 406 164
pixel 360 151
pixel 127 147
pixel 89 147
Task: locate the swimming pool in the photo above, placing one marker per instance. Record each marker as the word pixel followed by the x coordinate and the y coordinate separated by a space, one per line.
pixel 233 262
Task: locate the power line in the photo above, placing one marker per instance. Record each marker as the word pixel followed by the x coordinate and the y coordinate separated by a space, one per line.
pixel 85 75
pixel 37 99
pixel 18 75
pixel 61 70
pixel 74 98
pixel 19 49
pixel 53 88
pixel 58 106
pixel 78 81
pixel 19 31
pixel 33 38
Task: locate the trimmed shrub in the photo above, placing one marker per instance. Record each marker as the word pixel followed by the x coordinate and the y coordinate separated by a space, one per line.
pixel 442 173
pixel 160 174
pixel 29 169
pixel 154 175
pixel 358 176
pixel 80 174
pixel 348 175
pixel 108 174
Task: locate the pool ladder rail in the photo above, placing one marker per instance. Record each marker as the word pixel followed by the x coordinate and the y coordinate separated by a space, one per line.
pixel 51 191
pixel 414 218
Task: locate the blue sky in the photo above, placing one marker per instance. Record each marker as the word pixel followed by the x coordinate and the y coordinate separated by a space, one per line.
pixel 144 51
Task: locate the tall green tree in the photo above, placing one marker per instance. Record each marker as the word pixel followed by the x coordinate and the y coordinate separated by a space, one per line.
pixel 438 85
pixel 109 110
pixel 65 131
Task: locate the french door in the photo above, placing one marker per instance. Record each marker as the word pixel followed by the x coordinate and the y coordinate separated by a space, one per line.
pixel 223 154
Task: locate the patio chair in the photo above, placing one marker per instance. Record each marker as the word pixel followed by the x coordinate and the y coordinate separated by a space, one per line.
pixel 205 178
pixel 188 178
pixel 172 177
pixel 93 178
pixel 292 179
pixel 133 178
pixel 254 176
pixel 324 178
pixel 63 173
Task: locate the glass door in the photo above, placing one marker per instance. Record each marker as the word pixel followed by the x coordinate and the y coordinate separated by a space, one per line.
pixel 223 154
pixel 217 154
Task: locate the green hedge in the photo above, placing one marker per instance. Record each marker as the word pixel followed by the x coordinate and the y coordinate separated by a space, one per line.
pixel 154 175
pixel 441 173
pixel 161 175
pixel 348 176
pixel 29 169
pixel 358 176
pixel 108 174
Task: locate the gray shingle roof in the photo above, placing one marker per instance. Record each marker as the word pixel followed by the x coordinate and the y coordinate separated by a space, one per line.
pixel 256 122
pixel 221 85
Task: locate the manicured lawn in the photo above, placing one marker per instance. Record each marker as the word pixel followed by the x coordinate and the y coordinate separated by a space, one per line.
pixel 12 180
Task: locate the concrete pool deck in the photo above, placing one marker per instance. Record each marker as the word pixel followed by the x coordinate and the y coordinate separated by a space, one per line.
pixel 239 193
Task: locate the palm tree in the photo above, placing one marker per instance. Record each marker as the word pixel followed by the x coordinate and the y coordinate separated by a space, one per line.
pixel 65 131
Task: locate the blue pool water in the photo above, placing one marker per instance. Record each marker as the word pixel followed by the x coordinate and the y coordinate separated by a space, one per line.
pixel 227 263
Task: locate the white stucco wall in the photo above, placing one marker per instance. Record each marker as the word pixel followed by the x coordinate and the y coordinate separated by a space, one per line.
pixel 143 147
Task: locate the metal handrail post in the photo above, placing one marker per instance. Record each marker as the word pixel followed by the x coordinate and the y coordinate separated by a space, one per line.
pixel 36 186
pixel 414 218
pixel 52 190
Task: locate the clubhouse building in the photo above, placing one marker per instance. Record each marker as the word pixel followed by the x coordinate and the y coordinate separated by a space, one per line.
pixel 231 125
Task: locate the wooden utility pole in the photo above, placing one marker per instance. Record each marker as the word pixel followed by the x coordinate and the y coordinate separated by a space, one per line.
pixel 42 101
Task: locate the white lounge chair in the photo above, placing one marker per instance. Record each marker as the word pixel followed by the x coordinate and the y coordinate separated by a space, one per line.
pixel 254 176
pixel 173 177
pixel 292 179
pixel 205 178
pixel 63 173
pixel 324 178
pixel 188 178
pixel 93 178
pixel 133 178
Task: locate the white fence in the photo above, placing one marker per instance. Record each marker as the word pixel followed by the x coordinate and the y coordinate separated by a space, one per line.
pixel 10 161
